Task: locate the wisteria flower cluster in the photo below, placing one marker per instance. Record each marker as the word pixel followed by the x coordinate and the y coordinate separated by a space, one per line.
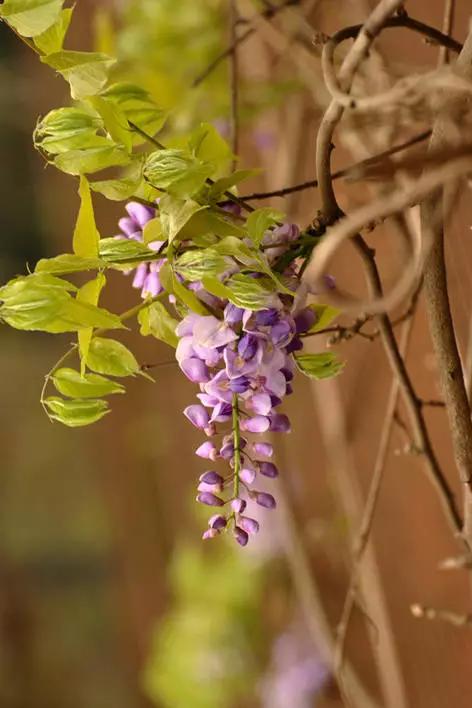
pixel 242 361
pixel 243 366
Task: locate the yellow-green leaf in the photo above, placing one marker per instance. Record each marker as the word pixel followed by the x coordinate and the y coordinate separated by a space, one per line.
pixel 52 39
pixel 90 292
pixel 86 237
pixel 31 17
pixel 86 72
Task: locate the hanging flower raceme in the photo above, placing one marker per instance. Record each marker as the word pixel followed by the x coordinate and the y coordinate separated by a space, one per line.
pixel 241 359
pixel 243 365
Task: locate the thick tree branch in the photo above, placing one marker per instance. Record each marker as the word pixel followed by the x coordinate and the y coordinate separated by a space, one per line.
pixel 439 311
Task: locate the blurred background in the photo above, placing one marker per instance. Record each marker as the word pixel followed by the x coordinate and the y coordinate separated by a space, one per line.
pixel 108 597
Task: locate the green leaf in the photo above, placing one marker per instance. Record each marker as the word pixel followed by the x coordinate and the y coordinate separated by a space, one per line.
pixel 42 302
pixel 157 321
pixel 225 183
pixel 65 129
pixel 124 251
pixel 31 17
pixel 207 221
pixel 325 314
pixel 117 190
pixel 177 172
pixel 90 293
pixel 86 72
pixel 70 383
pixel 187 297
pixel 137 106
pixel 153 231
pixel 79 162
pixel 260 220
pixel 68 263
pixel 319 366
pixel 86 237
pixel 52 39
pixel 107 356
pixel 194 265
pixel 244 291
pixel 235 247
pixel 175 214
pixel 115 121
pixel 76 413
pixel 207 144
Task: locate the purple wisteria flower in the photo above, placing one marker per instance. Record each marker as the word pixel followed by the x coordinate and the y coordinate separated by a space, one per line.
pixel 242 362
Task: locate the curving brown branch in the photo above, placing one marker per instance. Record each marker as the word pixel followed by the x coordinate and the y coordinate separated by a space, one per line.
pixel 439 310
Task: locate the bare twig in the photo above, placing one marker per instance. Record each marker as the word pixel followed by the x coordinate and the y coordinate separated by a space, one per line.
pixel 365 527
pixel 355 171
pixel 448 22
pixel 431 613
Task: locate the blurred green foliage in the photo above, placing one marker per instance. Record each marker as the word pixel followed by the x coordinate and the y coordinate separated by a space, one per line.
pixel 205 652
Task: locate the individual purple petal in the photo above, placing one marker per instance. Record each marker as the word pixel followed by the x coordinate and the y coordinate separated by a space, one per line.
pixel 263 448
pixel 211 357
pixel 195 370
pixel 197 415
pixel 295 345
pixel 288 374
pixel 276 401
pixel 211 332
pixel 209 499
pixel 256 424
pixel 208 401
pixel 209 533
pixel 241 536
pixel 233 314
pixel 213 488
pixel 247 346
pixel 185 327
pixel 208 451
pixel 268 469
pixel 249 525
pixel 236 366
pixel 217 522
pixel 218 387
pixel 211 477
pixel 247 475
pixel 128 226
pixel 184 349
pixel 281 333
pixel 221 413
pixel 152 285
pixel 227 450
pixel 238 505
pixel 276 384
pixel 305 319
pixel 265 500
pixel 267 318
pixel 140 213
pixel 260 403
pixel 239 385
pixel 140 275
pixel 279 423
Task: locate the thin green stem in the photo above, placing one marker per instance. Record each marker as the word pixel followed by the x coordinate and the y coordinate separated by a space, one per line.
pixel 237 445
